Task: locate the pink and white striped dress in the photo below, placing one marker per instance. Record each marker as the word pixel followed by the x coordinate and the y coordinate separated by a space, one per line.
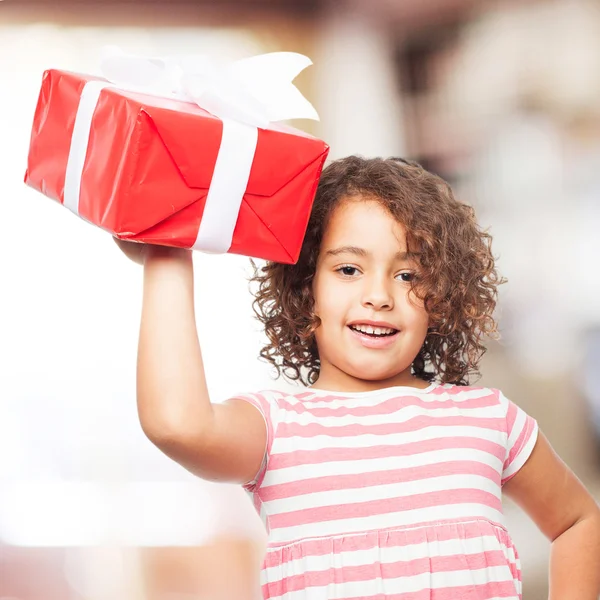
pixel 389 494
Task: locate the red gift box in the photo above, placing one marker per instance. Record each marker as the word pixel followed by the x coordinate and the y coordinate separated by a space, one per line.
pixel 144 169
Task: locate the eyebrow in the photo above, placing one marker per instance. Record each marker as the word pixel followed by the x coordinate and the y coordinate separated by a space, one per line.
pixel 401 255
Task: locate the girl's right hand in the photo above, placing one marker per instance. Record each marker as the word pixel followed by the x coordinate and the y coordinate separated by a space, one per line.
pixel 132 250
pixel 137 251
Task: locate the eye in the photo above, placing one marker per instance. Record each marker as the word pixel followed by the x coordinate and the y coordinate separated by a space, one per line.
pixel 347 270
pixel 406 276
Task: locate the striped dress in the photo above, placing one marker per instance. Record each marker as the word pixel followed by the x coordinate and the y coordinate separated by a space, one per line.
pixel 391 494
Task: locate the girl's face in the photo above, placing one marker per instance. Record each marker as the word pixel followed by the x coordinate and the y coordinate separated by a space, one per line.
pixel 372 326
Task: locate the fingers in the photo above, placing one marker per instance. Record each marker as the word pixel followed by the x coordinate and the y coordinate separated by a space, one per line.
pixel 132 250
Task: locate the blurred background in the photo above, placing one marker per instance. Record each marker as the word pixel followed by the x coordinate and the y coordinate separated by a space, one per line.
pixel 500 98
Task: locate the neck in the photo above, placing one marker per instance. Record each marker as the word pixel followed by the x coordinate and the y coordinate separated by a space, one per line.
pixel 340 381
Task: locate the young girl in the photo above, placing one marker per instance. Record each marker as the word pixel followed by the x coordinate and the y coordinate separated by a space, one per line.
pixel 382 477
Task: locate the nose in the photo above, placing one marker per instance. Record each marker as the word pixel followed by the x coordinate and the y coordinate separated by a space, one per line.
pixel 377 293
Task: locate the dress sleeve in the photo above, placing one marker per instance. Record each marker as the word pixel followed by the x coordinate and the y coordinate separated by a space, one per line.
pixel 266 403
pixel 521 436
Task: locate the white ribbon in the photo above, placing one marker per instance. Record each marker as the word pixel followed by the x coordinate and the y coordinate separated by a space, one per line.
pixel 79 142
pixel 245 94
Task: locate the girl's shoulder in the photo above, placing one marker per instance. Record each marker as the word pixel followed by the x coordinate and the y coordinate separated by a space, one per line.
pixel 466 391
pixel 462 393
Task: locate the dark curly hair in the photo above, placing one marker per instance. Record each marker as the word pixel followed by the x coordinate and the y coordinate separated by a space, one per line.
pixel 457 276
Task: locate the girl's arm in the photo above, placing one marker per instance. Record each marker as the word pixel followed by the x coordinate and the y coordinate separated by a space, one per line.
pixel 221 442
pixel 566 513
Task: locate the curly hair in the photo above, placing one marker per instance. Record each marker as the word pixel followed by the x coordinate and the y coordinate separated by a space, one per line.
pixel 457 279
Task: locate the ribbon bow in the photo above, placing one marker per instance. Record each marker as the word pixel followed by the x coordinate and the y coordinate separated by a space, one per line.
pixel 254 91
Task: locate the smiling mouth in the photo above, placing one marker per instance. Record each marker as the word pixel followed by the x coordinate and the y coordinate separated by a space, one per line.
pixel 374 332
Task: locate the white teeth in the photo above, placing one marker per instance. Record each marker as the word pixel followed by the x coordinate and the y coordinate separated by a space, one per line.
pixel 373 330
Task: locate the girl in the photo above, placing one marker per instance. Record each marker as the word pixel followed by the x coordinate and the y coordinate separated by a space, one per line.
pixel 382 477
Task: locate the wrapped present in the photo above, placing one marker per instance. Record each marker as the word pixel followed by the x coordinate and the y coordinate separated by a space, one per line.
pixel 179 155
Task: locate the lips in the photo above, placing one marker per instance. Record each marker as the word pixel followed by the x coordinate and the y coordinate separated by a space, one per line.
pixel 373 328
pixel 374 340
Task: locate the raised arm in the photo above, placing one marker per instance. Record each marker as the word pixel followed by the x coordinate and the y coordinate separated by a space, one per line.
pixel 220 442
